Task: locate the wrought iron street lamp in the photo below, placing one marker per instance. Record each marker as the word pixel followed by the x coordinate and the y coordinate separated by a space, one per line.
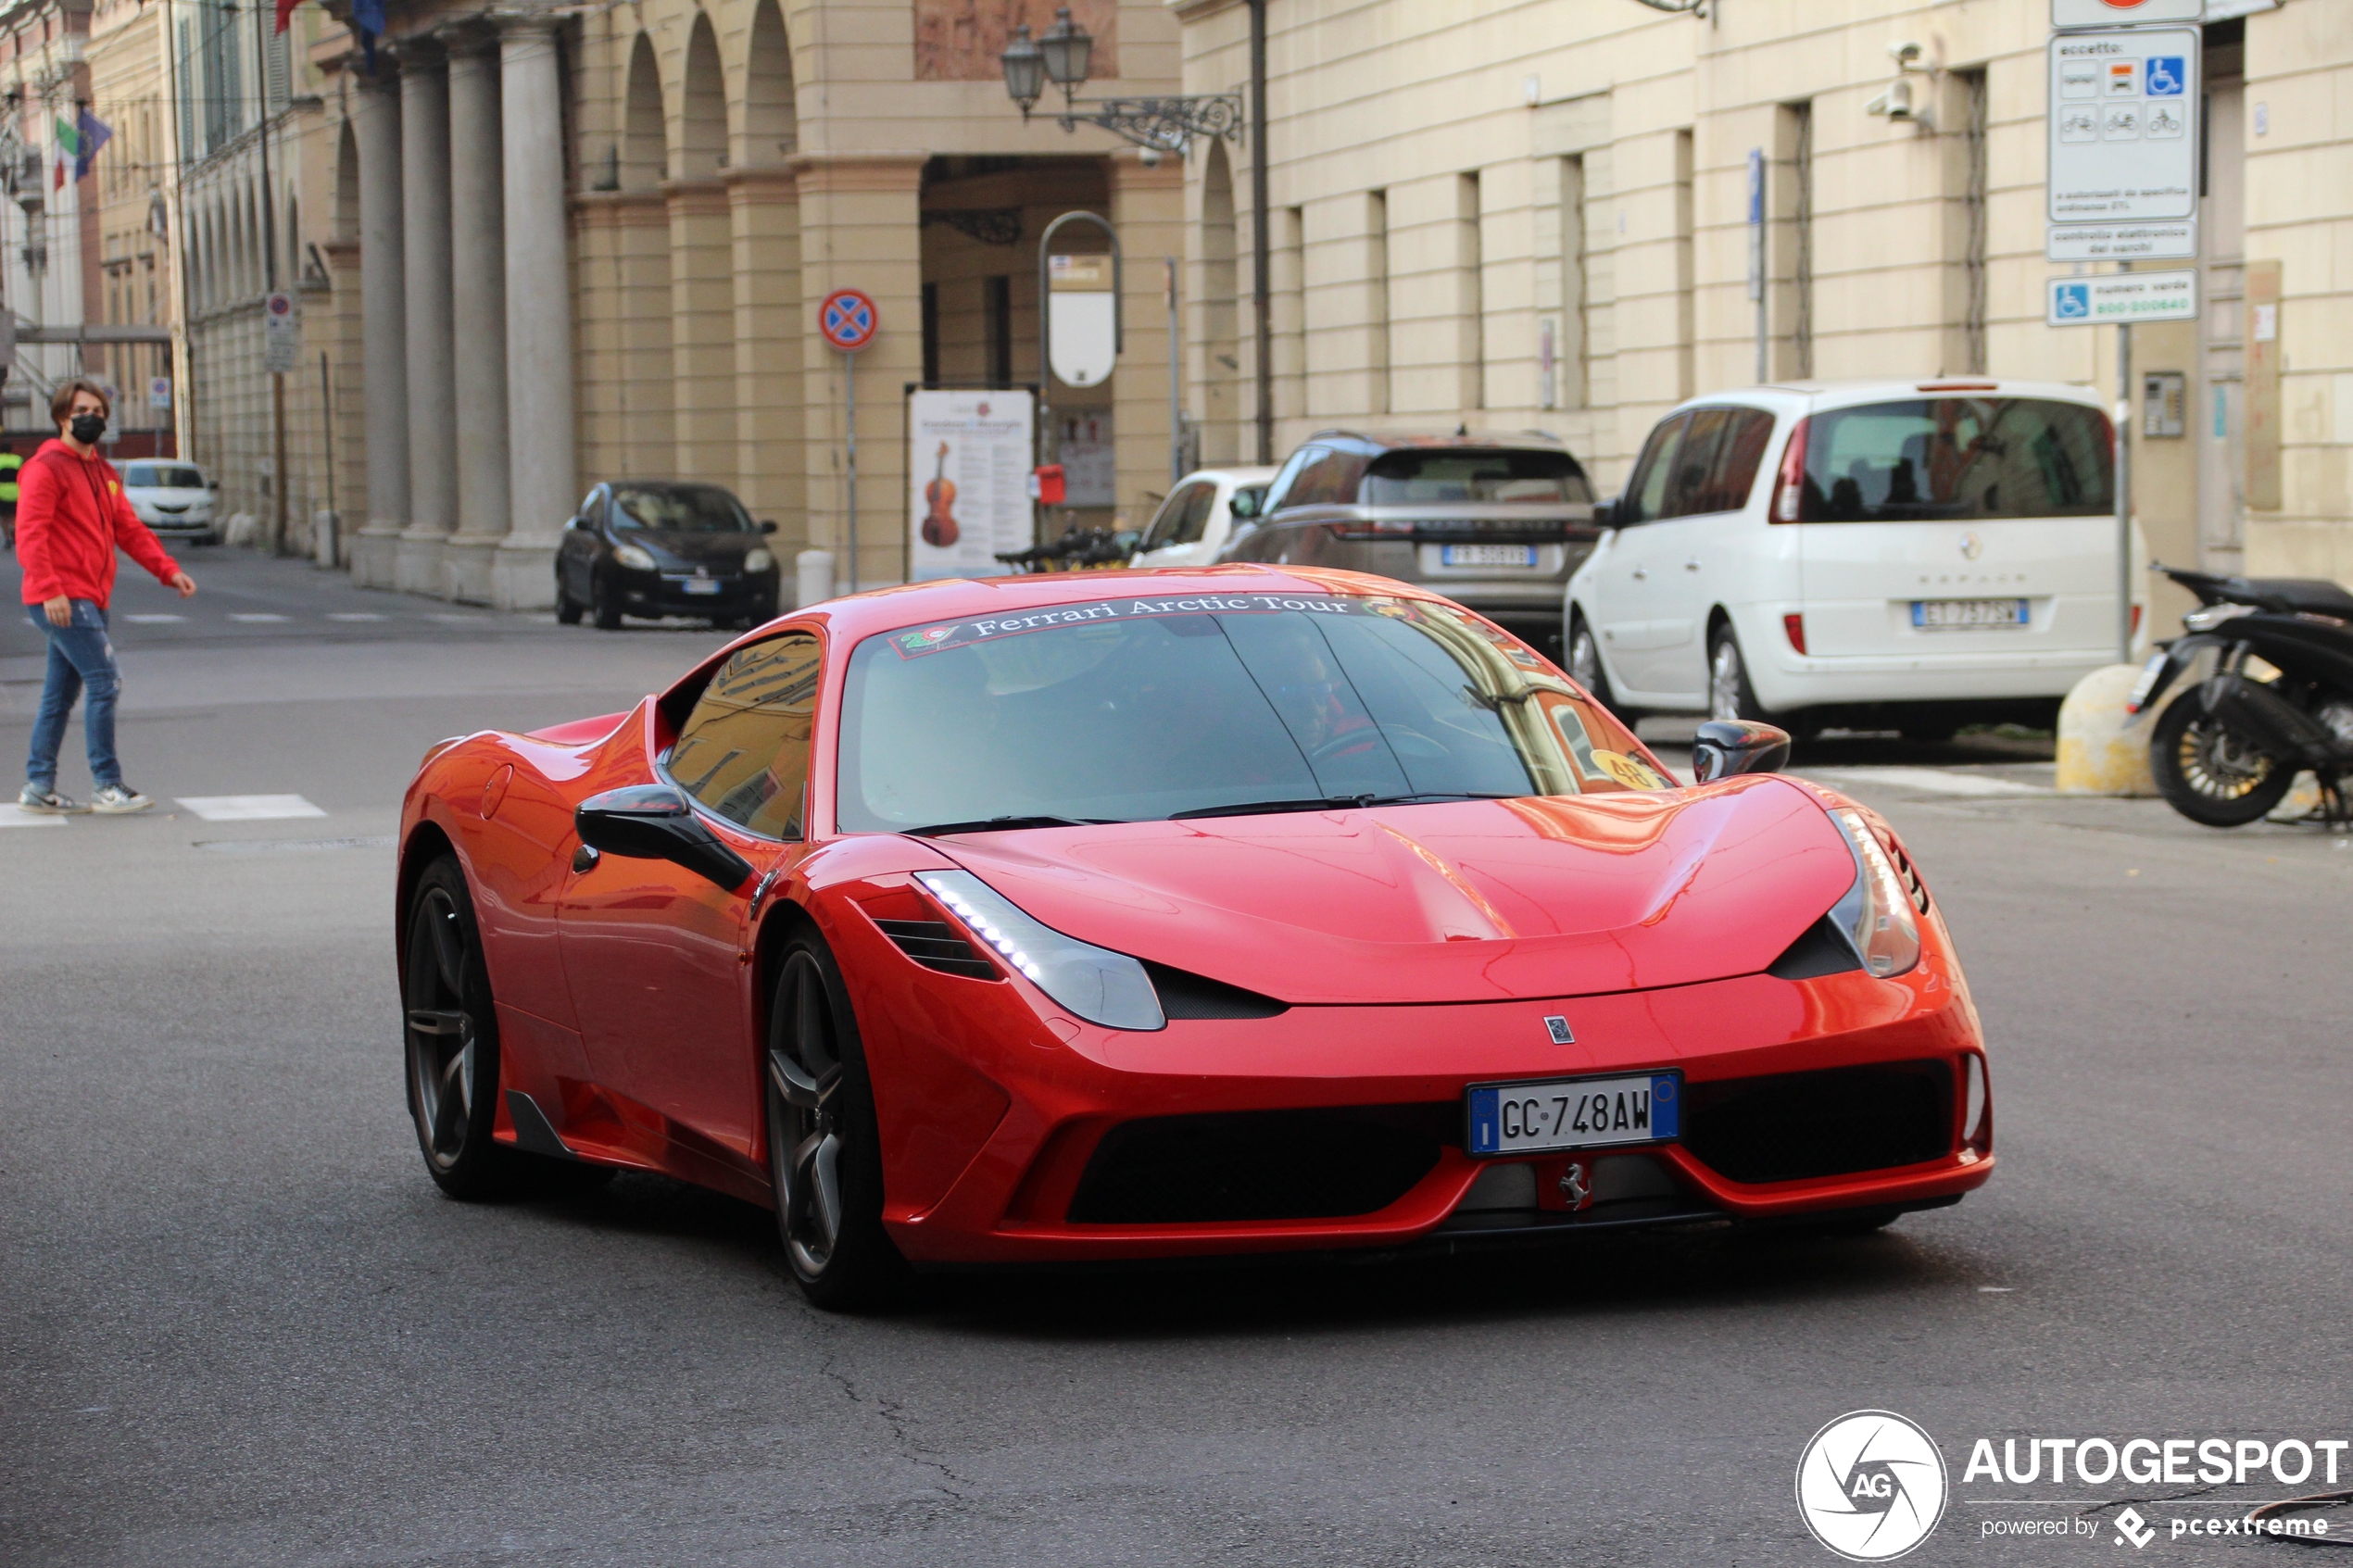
pixel 1063 55
pixel 1025 66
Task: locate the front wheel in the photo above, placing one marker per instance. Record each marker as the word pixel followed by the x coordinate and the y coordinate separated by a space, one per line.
pixel 1585 668
pixel 568 610
pixel 1729 692
pixel 2210 774
pixel 452 1034
pixel 603 605
pixel 824 1147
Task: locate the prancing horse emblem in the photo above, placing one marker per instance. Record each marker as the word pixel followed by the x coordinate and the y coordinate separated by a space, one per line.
pixel 1558 1027
pixel 1972 546
pixel 1577 1186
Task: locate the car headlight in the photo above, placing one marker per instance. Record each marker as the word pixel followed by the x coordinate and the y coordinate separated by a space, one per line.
pixel 1876 914
pixel 758 560
pixel 1095 982
pixel 632 556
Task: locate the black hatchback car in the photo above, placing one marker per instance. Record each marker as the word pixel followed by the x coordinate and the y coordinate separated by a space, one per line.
pixel 657 547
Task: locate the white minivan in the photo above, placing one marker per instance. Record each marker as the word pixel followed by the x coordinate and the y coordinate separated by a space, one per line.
pixel 1192 524
pixel 1871 555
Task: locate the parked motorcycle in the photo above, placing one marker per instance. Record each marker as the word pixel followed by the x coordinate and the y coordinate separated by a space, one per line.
pixel 2278 702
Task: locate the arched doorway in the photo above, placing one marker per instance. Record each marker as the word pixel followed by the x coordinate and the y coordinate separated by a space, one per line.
pixel 640 252
pixel 1217 378
pixel 702 302
pixel 765 220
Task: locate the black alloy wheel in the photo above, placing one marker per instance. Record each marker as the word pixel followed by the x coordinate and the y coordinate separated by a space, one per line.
pixel 824 1149
pixel 603 603
pixel 568 611
pixel 2210 774
pixel 452 1039
pixel 1585 667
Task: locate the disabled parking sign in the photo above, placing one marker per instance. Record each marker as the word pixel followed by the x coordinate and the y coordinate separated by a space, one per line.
pixel 2122 297
pixel 2072 302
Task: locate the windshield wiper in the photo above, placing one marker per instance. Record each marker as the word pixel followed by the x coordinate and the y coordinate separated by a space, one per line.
pixel 1006 824
pixel 1333 803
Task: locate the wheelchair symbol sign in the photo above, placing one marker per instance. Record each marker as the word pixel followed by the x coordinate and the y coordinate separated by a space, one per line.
pixel 2165 76
pixel 2073 302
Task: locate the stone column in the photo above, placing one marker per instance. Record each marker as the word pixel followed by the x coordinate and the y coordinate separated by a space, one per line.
pixel 1148 206
pixel 861 227
pixel 433 389
pixel 478 293
pixel 543 481
pixel 383 328
pixel 771 430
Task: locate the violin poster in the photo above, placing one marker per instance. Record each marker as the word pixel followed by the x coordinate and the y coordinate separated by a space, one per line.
pixel 968 462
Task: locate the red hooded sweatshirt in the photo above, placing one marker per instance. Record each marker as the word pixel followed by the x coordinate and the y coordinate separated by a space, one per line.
pixel 70 515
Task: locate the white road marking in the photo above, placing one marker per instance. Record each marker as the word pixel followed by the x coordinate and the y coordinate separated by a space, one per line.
pixel 256 617
pixel 1934 781
pixel 353 615
pixel 248 808
pixel 461 620
pixel 153 620
pixel 14 815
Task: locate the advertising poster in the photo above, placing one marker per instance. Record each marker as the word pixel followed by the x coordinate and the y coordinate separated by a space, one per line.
pixel 967 481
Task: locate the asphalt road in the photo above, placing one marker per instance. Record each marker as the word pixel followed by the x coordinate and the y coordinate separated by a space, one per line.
pixel 239 1326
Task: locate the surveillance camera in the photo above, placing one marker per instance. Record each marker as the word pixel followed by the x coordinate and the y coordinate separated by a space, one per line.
pixel 1904 54
pixel 1148 158
pixel 1899 98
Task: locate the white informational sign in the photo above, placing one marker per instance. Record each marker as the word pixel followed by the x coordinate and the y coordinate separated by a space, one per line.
pixel 1082 319
pixel 2124 13
pixel 2124 125
pixel 159 393
pixel 281 334
pixel 967 481
pixel 1091 465
pixel 2122 242
pixel 2123 296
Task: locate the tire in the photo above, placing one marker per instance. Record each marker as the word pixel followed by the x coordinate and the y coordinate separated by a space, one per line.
pixel 2209 774
pixel 1729 693
pixel 824 1147
pixel 608 614
pixel 567 612
pixel 1584 662
pixel 452 1040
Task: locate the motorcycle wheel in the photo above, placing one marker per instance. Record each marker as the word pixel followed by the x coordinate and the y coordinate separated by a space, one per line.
pixel 2210 774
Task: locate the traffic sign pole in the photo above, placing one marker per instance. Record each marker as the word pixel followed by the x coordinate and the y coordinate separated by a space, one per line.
pixel 847 321
pixel 2125 487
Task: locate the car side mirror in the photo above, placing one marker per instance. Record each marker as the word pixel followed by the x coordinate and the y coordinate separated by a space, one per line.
pixel 1244 505
pixel 1605 514
pixel 654 823
pixel 767 527
pixel 1725 746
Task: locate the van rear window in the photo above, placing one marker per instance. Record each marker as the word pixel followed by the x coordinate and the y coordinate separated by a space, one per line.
pixel 1952 458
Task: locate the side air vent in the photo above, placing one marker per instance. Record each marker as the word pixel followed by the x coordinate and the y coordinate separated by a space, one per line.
pixel 935 945
pixel 1912 883
pixel 1822 951
pixel 1184 995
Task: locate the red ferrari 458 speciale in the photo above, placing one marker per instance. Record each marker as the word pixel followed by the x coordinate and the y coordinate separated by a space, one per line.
pixel 1159 913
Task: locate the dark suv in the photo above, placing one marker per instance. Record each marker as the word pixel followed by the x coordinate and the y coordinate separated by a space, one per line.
pixel 1496 523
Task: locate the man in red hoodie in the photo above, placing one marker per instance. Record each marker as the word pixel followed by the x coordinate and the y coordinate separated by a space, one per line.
pixel 71 516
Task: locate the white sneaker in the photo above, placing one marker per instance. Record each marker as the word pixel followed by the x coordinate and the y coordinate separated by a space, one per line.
pixel 117 800
pixel 48 802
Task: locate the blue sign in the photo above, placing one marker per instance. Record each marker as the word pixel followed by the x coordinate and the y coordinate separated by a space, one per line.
pixel 2074 301
pixel 2165 77
pixel 847 320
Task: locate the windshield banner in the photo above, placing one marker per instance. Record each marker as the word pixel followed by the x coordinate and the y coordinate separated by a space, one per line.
pixel 963 633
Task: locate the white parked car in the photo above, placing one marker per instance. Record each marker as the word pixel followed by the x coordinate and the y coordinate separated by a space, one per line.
pixel 1882 555
pixel 172 497
pixel 1191 525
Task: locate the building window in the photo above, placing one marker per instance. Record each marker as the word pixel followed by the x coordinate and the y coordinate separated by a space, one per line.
pixel 1801 325
pixel 1470 260
pixel 1569 353
pixel 1971 85
pixel 1377 301
pixel 996 322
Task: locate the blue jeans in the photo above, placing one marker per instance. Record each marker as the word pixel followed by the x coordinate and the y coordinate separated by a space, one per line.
pixel 80 657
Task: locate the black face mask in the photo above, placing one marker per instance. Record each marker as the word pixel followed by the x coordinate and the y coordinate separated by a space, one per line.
pixel 87 428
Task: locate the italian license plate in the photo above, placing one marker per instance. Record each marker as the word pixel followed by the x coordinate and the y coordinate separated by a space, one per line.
pixel 700 584
pixel 1551 1113
pixel 1487 555
pixel 1966 615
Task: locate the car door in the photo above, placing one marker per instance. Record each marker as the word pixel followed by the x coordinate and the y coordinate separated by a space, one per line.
pixel 1628 586
pixel 577 556
pixel 656 955
pixel 1700 549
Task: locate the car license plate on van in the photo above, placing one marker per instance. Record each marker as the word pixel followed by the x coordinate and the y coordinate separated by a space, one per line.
pixel 1966 615
pixel 1551 1113
pixel 1487 555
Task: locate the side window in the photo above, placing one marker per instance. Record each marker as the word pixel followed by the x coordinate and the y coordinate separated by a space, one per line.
pixel 592 507
pixel 1200 500
pixel 1168 523
pixel 744 750
pixel 1646 491
pixel 1278 493
pixel 1330 480
pixel 1687 486
pixel 1746 432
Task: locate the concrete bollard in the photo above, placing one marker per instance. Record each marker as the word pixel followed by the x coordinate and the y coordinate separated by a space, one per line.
pixel 812 578
pixel 324 546
pixel 2103 749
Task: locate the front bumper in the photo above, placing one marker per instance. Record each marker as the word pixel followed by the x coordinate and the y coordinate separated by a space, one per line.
pixel 652 594
pixel 183 526
pixel 1041 1091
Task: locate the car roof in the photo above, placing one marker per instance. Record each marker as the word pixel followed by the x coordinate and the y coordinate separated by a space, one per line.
pixel 1851 393
pixel 1475 440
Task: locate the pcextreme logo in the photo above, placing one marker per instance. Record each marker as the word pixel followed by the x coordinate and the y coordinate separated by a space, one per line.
pixel 1871 1486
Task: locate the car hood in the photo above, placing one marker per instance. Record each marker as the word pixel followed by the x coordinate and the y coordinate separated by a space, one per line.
pixel 1454 902
pixel 694 547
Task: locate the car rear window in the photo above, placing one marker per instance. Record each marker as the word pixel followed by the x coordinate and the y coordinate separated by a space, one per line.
pixel 1422 478
pixel 1933 459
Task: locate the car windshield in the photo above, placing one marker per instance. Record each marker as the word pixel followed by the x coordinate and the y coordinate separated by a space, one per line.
pixel 1410 478
pixel 162 476
pixel 1933 459
pixel 678 508
pixel 1143 707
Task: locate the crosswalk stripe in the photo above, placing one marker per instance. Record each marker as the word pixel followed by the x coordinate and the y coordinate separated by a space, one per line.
pixel 14 816
pixel 248 808
pixel 353 615
pixel 153 620
pixel 255 617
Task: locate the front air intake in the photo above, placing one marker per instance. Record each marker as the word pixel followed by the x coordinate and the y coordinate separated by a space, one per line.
pixel 1793 1126
pixel 1261 1165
